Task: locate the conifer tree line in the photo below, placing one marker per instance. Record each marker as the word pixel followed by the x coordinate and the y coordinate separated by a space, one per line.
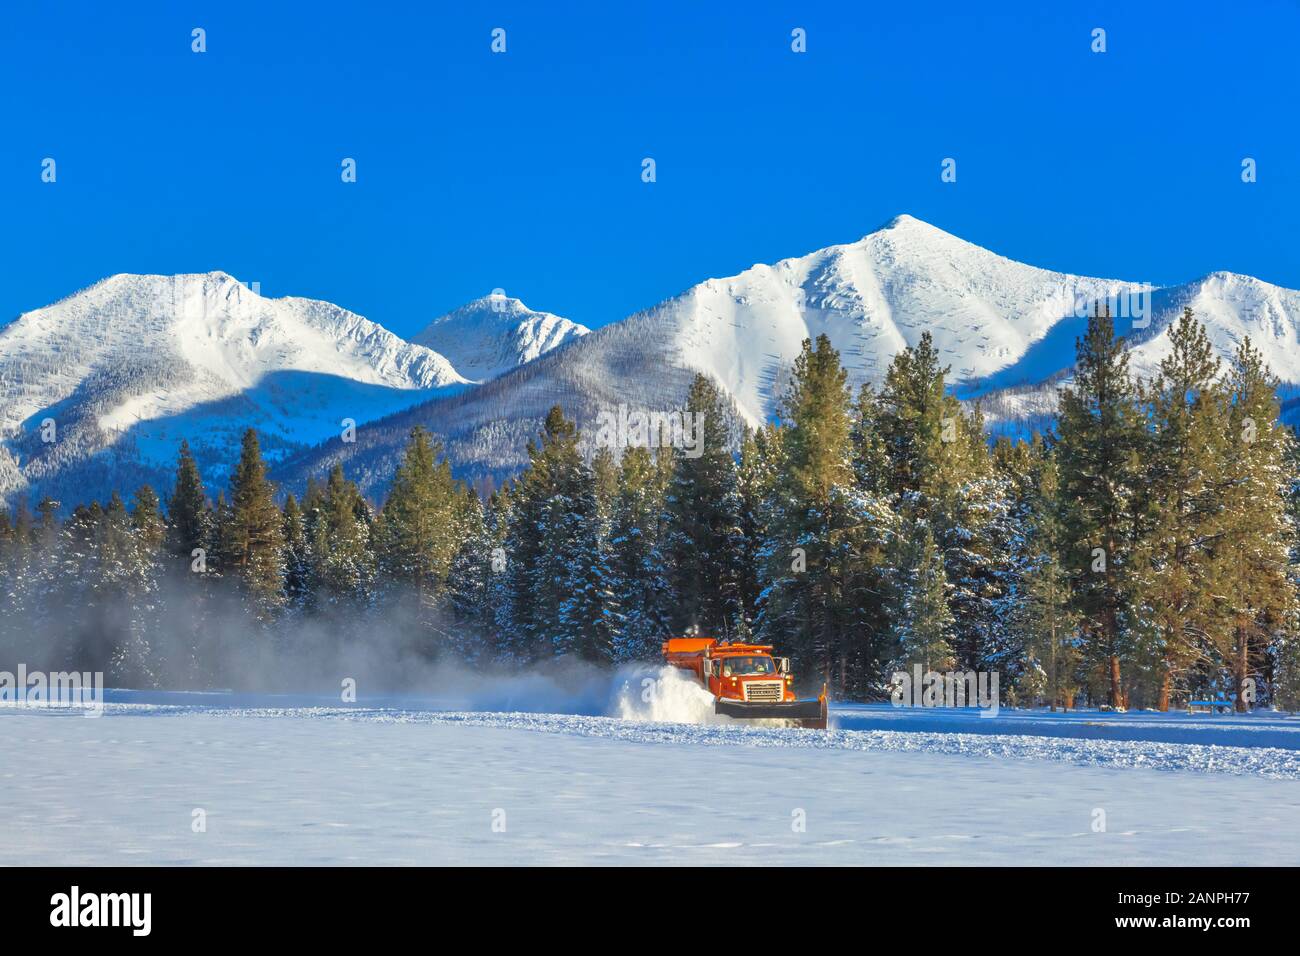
pixel 1142 553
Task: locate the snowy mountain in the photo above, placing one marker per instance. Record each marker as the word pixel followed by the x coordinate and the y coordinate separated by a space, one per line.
pixel 494 334
pixel 1231 306
pixel 872 297
pixel 129 366
pixel 125 369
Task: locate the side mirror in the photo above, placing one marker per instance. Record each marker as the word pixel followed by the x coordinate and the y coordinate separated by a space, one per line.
pixel 783 665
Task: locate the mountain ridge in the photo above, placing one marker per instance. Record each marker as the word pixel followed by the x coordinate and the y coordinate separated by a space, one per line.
pixel 884 289
pixel 130 365
pixel 1006 328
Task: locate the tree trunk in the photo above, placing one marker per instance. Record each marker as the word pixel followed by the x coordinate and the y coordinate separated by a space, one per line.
pixel 1110 626
pixel 1239 668
pixel 1165 681
pixel 1053 681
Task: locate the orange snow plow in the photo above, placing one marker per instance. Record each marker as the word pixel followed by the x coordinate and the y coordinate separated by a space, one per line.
pixel 746 680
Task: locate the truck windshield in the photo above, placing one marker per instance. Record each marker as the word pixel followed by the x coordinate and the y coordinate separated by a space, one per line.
pixel 741 666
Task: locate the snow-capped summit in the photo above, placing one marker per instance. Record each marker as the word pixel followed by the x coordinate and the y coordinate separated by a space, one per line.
pixel 872 297
pixel 134 363
pixel 494 334
pixel 1231 307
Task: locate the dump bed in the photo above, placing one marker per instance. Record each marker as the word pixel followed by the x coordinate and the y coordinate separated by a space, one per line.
pixel 688 653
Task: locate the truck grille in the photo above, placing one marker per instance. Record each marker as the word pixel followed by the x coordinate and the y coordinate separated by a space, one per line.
pixel 767 690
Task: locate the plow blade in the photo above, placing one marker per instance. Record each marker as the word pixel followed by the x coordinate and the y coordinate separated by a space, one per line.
pixel 810 714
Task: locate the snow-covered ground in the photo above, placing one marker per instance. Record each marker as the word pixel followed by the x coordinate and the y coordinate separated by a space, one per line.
pixel 301 781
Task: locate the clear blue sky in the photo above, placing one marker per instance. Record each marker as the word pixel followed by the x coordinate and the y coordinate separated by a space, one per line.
pixel 523 170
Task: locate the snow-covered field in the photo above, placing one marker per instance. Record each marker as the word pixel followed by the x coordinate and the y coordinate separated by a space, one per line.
pixel 297 781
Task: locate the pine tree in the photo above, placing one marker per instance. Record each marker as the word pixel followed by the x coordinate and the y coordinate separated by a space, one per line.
pixel 756 486
pixel 588 619
pixel 137 660
pixel 704 543
pixel 922 624
pixel 315 533
pixel 937 469
pixel 47 583
pixel 251 532
pixel 911 422
pixel 297 578
pixel 969 502
pixel 188 524
pixel 871 466
pixel 639 573
pixel 877 525
pixel 1010 554
pixel 815 466
pixel 469 584
pixel 1098 452
pixel 605 474
pixel 147 520
pixel 190 542
pixel 539 544
pixel 106 575
pixel 1183 479
pixel 500 628
pixel 1285 653
pixel 1256 597
pixel 345 574
pixel 824 599
pixel 1043 616
pixel 419 532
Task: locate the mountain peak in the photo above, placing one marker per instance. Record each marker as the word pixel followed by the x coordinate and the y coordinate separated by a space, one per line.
pixel 1223 277
pixel 916 233
pixel 501 302
pixel 495 307
pixel 216 276
pixel 494 333
pixel 906 221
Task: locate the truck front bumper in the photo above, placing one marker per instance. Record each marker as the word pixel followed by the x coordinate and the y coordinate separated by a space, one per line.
pixel 809 713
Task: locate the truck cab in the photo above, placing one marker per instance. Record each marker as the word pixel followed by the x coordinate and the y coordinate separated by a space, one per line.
pixel 750 673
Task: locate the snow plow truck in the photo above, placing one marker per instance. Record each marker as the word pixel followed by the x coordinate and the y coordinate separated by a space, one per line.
pixel 746 680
